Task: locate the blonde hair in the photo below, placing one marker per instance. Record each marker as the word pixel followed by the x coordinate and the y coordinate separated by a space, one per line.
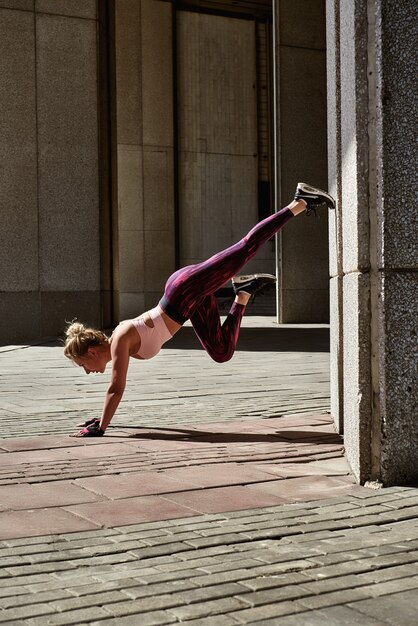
pixel 80 338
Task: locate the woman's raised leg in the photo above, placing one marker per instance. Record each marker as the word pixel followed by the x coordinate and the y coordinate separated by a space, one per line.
pixel 189 292
pixel 186 288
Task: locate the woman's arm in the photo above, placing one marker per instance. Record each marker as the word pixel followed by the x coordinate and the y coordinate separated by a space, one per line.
pixel 119 350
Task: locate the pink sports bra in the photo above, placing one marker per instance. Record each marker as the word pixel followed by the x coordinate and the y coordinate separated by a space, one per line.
pixel 152 338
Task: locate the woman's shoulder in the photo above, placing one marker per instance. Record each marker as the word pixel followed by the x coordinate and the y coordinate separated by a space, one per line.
pixel 125 336
pixel 122 331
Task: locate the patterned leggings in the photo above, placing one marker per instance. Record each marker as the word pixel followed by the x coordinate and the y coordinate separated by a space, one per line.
pixel 189 292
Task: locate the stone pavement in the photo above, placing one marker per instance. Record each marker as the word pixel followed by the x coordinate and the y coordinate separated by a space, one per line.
pixel 41 390
pixel 221 495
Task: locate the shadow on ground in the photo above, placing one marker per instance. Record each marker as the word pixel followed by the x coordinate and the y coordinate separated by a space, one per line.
pixel 205 436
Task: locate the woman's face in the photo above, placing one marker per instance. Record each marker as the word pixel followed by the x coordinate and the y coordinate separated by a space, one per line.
pixel 94 360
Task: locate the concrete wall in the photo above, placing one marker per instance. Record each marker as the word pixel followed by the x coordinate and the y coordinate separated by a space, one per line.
pixel 49 192
pixel 304 283
pixel 373 237
pixel 144 95
pixel 217 122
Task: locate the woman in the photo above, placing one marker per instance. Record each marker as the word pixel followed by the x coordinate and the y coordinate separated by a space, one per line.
pixel 189 294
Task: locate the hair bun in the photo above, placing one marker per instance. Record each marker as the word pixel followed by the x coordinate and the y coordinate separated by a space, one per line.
pixel 74 329
pixel 79 338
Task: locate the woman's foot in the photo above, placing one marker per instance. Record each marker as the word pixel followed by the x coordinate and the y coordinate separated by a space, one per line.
pixel 313 197
pixel 252 284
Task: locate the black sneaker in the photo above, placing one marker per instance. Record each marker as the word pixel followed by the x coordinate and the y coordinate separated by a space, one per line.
pixel 313 197
pixel 253 284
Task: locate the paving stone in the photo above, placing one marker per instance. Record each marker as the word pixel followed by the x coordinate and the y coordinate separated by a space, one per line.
pixel 212 621
pixel 96 599
pixel 362 565
pixel 69 617
pixel 25 612
pixel 15 600
pixel 266 611
pixel 11 591
pixel 215 500
pixel 390 573
pixel 162 577
pixel 165 548
pixel 142 508
pixel 122 583
pixel 391 586
pixel 332 616
pixel 169 538
pixel 343 596
pixel 388 549
pixel 135 484
pixel 270 582
pixel 340 557
pixel 39 568
pixel 157 589
pixel 242 574
pixel 45 582
pixel 268 596
pixel 138 572
pixel 219 540
pixel 396 609
pixel 156 618
pixel 225 567
pixel 21 523
pixel 333 584
pixel 204 609
pixel 344 616
pixel 44 495
pixel 213 550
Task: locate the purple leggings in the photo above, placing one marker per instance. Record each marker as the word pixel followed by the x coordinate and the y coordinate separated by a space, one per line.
pixel 189 292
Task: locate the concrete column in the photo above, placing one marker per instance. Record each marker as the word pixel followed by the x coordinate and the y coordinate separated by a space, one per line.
pixel 144 94
pixel 396 297
pixel 335 217
pixel 374 239
pixel 349 229
pixel 49 192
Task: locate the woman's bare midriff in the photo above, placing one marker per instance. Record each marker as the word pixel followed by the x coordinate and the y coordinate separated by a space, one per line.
pixel 172 326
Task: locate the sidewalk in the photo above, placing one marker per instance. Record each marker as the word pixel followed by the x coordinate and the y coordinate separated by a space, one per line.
pixel 221 494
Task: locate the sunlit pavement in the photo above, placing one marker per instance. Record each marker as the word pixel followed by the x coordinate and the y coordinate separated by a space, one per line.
pixel 220 495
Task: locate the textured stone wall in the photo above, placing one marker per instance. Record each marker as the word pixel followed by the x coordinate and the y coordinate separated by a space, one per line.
pixel 335 217
pixel 49 191
pixel 144 95
pixel 397 236
pixel 373 236
pixel 348 153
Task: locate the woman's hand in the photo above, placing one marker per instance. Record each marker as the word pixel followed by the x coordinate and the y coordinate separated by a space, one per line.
pixel 89 422
pixel 92 430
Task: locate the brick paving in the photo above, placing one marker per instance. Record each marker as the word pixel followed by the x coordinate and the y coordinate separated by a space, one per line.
pixel 220 496
pixel 347 560
pixel 181 386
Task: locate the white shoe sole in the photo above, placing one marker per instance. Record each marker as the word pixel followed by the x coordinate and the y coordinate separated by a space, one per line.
pixel 315 191
pixel 237 280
